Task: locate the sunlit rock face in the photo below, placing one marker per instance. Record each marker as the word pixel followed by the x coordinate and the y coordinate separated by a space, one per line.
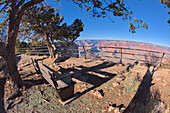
pixel 124 44
pixel 120 43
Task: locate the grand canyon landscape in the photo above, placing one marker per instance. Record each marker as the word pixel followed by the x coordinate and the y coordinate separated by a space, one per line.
pixel 44 68
pixel 95 46
pixel 105 85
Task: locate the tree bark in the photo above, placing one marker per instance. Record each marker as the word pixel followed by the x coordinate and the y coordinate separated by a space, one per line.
pixel 11 64
pixel 49 45
pixel 8 51
pixel 8 54
pixel 54 46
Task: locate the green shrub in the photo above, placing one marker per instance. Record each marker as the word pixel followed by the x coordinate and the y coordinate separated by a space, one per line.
pixel 27 52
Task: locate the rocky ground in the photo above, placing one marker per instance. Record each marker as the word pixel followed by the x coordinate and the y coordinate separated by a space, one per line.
pixel 104 87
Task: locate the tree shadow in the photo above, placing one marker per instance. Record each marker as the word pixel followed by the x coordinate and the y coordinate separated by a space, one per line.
pixel 96 82
pixel 26 65
pixel 31 74
pixel 30 83
pixel 2 84
pixel 27 84
pixel 132 66
pixel 143 94
pixel 13 104
pixel 93 68
pixel 81 74
pixel 93 79
pixel 93 60
pixel 18 58
pixel 61 59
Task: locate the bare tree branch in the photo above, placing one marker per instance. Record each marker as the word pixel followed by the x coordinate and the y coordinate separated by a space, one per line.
pixel 20 3
pixel 4 7
pixel 24 7
pixel 7 1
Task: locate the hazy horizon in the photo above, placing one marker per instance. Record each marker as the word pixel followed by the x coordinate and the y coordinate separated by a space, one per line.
pixel 123 40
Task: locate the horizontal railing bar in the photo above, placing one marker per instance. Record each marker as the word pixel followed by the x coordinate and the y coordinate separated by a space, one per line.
pixel 142 55
pixel 112 57
pixel 125 53
pixel 39 51
pixel 32 50
pixel 35 53
pixel 124 48
pixel 133 59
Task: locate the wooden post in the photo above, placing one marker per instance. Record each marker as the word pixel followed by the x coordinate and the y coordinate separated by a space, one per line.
pixel 121 57
pixel 79 51
pixel 36 49
pixel 84 52
pixel 162 59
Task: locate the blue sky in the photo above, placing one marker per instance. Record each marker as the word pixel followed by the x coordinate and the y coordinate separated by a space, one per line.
pixel 151 12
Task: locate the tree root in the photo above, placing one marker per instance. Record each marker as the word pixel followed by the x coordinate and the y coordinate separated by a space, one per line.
pixel 18 93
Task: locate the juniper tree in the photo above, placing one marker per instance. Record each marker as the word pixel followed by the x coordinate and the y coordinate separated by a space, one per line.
pixel 45 22
pixel 14 10
pixel 167 3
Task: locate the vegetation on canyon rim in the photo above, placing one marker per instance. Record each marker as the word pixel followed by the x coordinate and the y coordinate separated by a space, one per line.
pixel 13 11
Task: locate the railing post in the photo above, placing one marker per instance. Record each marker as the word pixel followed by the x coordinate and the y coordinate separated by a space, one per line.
pixel 84 52
pixel 79 51
pixel 162 59
pixel 121 57
pixel 36 49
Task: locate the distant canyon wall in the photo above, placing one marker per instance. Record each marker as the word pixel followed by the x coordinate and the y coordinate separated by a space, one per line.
pixel 123 44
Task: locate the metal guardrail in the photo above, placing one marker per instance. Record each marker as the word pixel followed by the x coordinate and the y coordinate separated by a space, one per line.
pixel 44 51
pixel 33 50
pixel 161 57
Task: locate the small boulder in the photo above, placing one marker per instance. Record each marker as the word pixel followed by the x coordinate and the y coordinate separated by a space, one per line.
pixel 121 78
pixel 116 110
pixel 50 66
pixel 19 69
pixel 122 109
pixel 57 68
pixel 87 108
pixel 111 109
pixel 116 84
pixel 98 93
